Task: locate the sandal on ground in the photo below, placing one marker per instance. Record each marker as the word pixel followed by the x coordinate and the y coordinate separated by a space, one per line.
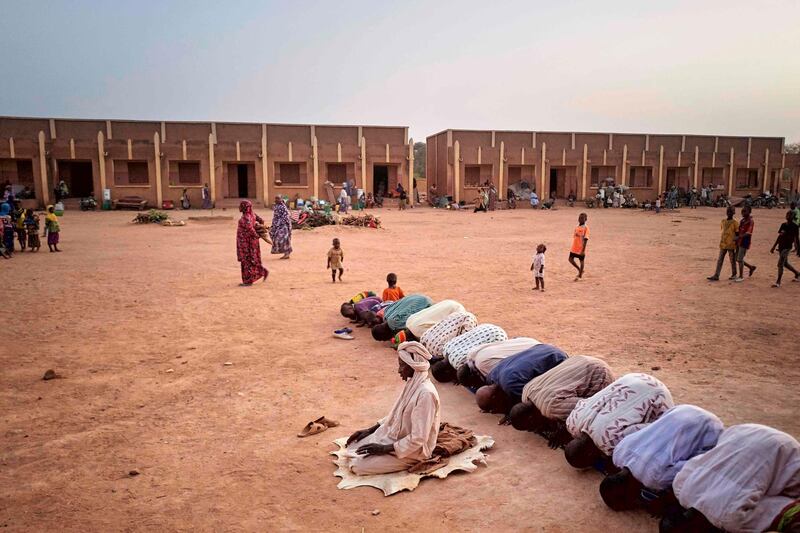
pixel 312 428
pixel 326 422
pixel 345 336
pixel 776 285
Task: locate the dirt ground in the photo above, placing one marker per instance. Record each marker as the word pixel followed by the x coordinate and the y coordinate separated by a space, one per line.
pixel 139 321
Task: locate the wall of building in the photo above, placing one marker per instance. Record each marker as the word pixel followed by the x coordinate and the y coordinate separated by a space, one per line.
pixel 206 151
pixel 574 158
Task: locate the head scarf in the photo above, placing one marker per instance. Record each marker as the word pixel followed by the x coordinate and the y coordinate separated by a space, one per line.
pixel 416 356
pixel 5 209
pixel 246 207
pixel 51 216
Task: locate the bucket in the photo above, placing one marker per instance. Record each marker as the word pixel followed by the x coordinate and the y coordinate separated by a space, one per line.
pixel 59 209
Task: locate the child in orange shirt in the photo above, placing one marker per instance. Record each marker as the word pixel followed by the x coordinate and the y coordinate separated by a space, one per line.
pixel 392 293
pixel 580 237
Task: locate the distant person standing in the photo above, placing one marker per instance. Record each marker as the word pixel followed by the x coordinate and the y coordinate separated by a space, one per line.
pixel 727 244
pixel 537 266
pixel 787 238
pixel 746 225
pixel 206 197
pixel 329 192
pixel 281 229
pixel 185 203
pixel 580 238
pixel 416 193
pixel 401 192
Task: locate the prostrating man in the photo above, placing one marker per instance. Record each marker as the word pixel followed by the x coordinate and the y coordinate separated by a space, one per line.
pixel 360 312
pixel 599 422
pixel 749 482
pixel 506 381
pixel 395 317
pixel 549 399
pixel 456 350
pixel 407 435
pixel 650 459
pixel 482 359
pixel 447 329
pixel 422 321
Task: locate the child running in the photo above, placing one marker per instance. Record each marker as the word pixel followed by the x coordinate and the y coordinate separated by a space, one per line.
pixel 538 267
pixel 52 229
pixel 392 293
pixel 335 260
pixel 580 237
pixel 787 238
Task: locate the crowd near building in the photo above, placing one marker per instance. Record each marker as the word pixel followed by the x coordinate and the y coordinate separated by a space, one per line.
pixel 158 160
pixel 560 164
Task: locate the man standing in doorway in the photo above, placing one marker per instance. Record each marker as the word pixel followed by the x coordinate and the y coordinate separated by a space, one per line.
pixel 580 237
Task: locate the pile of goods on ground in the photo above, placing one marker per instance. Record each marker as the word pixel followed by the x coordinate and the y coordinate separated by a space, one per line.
pixel 157 217
pixel 362 221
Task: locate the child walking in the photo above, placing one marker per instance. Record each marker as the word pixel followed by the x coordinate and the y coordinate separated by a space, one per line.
pixel 580 237
pixel 335 260
pixel 788 237
pixel 392 293
pixel 52 229
pixel 538 267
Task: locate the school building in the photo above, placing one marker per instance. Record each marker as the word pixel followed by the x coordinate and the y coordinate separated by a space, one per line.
pixel 561 163
pixel 158 159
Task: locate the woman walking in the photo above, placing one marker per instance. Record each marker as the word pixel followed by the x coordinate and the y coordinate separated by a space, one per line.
pixel 52 229
pixel 248 251
pixel 281 230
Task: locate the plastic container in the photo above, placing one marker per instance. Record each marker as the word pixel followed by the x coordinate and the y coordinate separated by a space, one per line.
pixel 59 209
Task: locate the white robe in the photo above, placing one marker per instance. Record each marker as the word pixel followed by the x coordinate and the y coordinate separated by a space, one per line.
pixel 622 408
pixel 422 321
pixel 745 481
pixel 485 357
pixel 658 452
pixel 454 325
pixel 412 425
pixel 456 349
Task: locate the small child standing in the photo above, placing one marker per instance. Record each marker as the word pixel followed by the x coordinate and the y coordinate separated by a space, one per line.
pixel 32 227
pixel 335 260
pixel 392 293
pixel 538 267
pixel 52 229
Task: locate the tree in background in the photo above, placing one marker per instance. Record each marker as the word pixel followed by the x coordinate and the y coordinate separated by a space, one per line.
pixel 420 149
pixel 791 148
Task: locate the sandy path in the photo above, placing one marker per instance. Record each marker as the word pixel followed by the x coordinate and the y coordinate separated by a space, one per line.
pixel 216 446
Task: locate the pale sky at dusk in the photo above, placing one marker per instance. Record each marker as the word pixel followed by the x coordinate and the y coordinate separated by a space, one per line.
pixel 717 67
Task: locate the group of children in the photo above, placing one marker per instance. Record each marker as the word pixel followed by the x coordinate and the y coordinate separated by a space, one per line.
pixel 580 238
pixel 735 241
pixel 24 224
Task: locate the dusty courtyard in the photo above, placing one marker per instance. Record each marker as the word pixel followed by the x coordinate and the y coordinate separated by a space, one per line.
pixel 139 321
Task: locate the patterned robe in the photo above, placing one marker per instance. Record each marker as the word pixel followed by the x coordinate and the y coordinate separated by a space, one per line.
pixel 456 349
pixel 622 408
pixel 449 328
pixel 281 230
pixel 248 251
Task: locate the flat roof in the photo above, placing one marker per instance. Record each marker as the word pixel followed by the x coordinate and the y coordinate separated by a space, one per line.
pixel 607 133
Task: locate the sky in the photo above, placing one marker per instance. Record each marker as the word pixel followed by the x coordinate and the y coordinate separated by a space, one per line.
pixel 705 67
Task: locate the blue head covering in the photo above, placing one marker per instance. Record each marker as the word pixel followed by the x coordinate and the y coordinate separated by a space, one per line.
pixel 5 209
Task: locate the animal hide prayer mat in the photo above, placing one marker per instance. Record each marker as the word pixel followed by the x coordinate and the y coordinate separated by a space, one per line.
pixel 399 481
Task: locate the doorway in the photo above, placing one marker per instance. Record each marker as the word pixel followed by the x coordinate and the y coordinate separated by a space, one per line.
pixel 380 180
pixel 558 178
pixel 241 176
pixel 78 177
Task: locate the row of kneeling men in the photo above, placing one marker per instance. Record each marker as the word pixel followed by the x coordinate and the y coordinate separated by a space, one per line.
pixel 677 461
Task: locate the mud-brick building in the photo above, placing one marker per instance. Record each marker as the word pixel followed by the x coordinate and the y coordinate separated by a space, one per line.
pixel 560 163
pixel 158 159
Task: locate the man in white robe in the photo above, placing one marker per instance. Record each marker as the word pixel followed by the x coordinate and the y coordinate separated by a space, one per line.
pixel 743 485
pixel 448 328
pixel 422 321
pixel 407 435
pixel 650 459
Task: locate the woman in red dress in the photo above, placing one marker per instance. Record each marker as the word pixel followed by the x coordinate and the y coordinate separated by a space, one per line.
pixel 248 250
